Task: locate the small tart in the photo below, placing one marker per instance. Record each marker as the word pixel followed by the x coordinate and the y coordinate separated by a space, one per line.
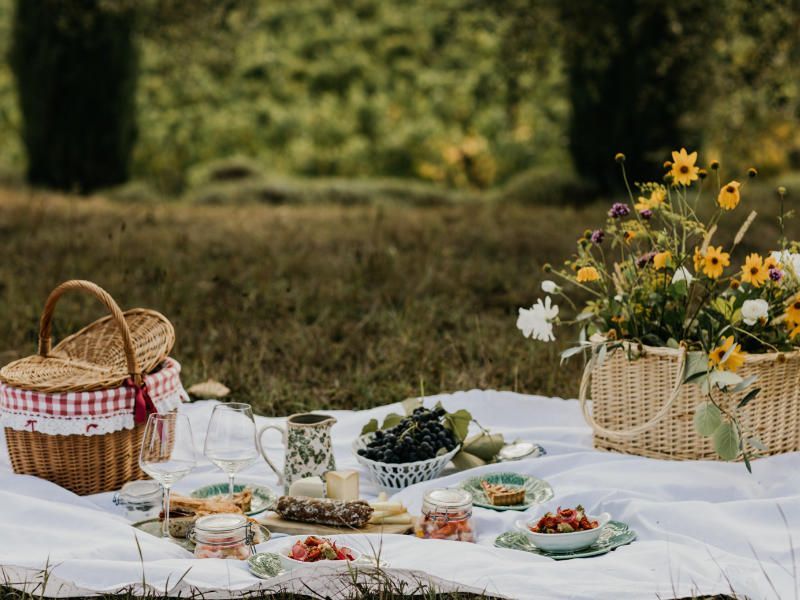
pixel 503 495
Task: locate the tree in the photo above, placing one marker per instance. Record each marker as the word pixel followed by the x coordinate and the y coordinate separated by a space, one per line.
pixel 75 64
pixel 636 69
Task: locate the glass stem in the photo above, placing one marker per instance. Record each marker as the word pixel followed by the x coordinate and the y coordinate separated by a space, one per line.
pixel 230 485
pixel 165 524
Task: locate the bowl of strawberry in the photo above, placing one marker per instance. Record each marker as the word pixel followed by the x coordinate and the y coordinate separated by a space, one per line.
pixel 317 550
pixel 566 530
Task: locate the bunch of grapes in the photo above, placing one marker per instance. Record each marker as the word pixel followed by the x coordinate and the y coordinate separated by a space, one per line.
pixel 420 436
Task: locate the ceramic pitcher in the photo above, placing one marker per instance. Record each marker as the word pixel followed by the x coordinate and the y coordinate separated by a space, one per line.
pixel 309 452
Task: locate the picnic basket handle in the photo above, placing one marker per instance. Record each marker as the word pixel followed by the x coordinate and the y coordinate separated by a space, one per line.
pixel 636 430
pixel 46 323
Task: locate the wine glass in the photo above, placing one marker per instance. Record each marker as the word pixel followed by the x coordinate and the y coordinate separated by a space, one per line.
pixel 167 454
pixel 231 439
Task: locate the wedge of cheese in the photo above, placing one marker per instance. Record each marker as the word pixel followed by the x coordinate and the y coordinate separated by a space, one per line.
pixel 342 485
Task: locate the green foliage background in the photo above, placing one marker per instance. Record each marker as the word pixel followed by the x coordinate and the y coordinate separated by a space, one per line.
pixel 457 92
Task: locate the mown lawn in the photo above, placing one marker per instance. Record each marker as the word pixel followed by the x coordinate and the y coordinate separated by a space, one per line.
pixel 301 307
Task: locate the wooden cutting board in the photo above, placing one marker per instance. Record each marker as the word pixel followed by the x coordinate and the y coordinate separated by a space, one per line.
pixel 275 524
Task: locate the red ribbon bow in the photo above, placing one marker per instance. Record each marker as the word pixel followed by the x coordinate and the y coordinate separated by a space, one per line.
pixel 143 404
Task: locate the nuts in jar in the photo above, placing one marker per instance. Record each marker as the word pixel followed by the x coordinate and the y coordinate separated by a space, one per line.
pixel 224 535
pixel 447 515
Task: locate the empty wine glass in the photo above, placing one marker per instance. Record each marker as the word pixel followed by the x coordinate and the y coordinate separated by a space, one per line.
pixel 167 454
pixel 231 439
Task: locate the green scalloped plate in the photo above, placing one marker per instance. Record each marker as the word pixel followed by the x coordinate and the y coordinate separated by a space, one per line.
pixel 263 497
pixel 536 490
pixel 616 534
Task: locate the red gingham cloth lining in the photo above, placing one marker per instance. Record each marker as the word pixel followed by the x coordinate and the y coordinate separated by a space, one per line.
pixel 88 413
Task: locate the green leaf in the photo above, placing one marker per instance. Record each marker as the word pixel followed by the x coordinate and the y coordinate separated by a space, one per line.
pixel 571 352
pixel 410 404
pixel 745 383
pixel 458 422
pixel 601 355
pixel 722 380
pixel 747 462
pixel 372 425
pixel 756 443
pixel 726 441
pixel 466 460
pixel 696 362
pixel 707 418
pixel 747 397
pixel 484 445
pixel 673 343
pixel 391 420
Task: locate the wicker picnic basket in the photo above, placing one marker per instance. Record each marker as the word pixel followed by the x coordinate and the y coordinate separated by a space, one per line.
pixel 641 406
pixel 68 411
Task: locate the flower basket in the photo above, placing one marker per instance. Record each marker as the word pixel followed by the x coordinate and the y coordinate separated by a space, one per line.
pixel 74 413
pixel 640 405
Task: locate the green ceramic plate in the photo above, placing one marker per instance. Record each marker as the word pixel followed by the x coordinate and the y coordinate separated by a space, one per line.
pixel 616 534
pixel 536 490
pixel 263 497
pixel 265 565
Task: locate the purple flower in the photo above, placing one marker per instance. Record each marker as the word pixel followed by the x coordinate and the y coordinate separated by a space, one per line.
pixel 775 274
pixel 645 259
pixel 646 214
pixel 618 210
pixel 597 236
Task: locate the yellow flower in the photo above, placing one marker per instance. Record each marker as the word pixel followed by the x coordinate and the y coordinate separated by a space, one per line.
pixel 699 259
pixel 586 274
pixel 793 312
pixel 754 271
pixel 795 331
pixel 735 358
pixel 729 196
pixel 771 263
pixel 656 199
pixel 661 259
pixel 715 261
pixel 684 171
pixel 628 236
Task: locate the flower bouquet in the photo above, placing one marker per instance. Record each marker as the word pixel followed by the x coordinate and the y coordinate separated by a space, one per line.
pixel 691 351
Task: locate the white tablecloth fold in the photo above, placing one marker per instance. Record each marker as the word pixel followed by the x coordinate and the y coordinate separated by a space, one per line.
pixel 702 527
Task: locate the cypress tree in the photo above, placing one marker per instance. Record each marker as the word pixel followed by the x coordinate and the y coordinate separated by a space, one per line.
pixel 75 63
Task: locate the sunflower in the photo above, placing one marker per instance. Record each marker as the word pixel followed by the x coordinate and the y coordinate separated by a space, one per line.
pixel 586 274
pixel 754 271
pixel 771 263
pixel 661 259
pixel 628 236
pixel 735 359
pixel 793 312
pixel 715 261
pixel 729 195
pixel 656 199
pixel 684 171
pixel 794 332
pixel 699 259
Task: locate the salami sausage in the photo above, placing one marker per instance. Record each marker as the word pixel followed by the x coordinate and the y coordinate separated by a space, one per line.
pixel 324 511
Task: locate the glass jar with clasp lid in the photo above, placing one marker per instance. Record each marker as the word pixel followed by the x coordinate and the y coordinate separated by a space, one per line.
pixel 226 535
pixel 447 515
pixel 139 499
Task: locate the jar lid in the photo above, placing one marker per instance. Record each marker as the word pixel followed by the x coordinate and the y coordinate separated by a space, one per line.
pixel 517 451
pixel 140 491
pixel 448 498
pixel 220 523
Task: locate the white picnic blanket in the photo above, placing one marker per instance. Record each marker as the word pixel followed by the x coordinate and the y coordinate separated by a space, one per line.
pixel 702 527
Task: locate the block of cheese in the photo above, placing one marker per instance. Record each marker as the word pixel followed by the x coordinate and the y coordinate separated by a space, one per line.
pixel 342 485
pixel 311 487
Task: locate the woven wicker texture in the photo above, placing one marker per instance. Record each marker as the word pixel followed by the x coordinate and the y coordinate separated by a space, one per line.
pixel 400 476
pixel 99 356
pixel 640 407
pixel 82 464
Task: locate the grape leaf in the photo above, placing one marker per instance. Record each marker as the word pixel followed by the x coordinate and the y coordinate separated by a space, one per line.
pixel 391 420
pixel 410 404
pixel 458 422
pixel 707 418
pixel 372 425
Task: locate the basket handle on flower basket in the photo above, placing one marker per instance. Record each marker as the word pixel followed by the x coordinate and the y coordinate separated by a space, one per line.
pixel 46 322
pixel 636 430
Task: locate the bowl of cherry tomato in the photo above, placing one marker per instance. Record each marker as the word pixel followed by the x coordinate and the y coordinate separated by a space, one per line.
pixel 566 530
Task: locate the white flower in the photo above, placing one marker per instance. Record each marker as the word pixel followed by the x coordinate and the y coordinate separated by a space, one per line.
pixel 619 298
pixel 790 261
pixel 753 310
pixel 537 321
pixel 550 287
pixel 682 274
